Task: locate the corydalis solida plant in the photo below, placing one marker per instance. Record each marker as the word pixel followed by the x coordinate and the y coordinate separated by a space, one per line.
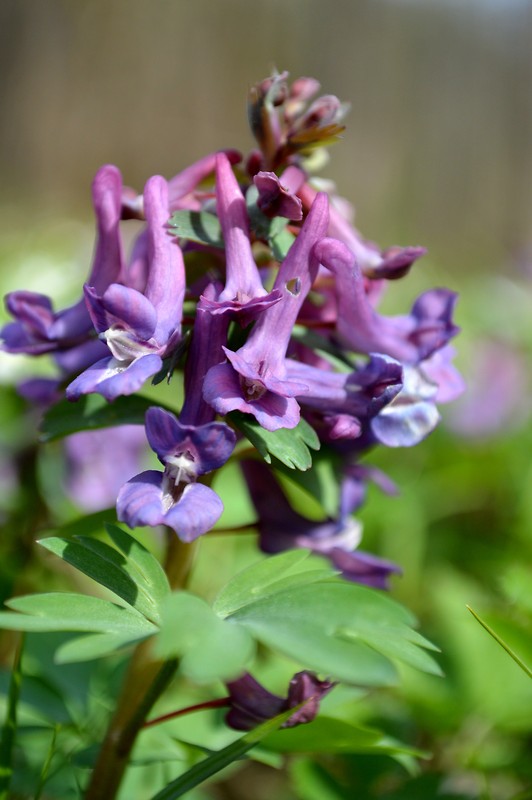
pixel 252 289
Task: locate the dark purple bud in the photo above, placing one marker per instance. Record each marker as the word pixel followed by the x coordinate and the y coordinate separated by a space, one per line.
pixel 275 200
pixel 252 704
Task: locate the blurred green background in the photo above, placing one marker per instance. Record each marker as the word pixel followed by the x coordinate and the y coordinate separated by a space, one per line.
pixel 438 152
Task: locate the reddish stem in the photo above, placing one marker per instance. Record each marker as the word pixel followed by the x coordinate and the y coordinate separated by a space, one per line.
pixel 220 703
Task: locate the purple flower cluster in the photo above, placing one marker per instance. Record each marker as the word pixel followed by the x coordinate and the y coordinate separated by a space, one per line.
pixel 276 320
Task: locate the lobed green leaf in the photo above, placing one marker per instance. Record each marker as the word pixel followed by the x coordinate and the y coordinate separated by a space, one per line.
pixel 273 574
pixel 92 412
pixel 197 226
pixel 210 648
pixel 289 445
pixel 131 572
pixel 68 611
pixel 344 630
pixel 94 645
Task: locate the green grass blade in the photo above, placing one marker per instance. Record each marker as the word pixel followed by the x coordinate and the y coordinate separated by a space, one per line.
pixel 221 758
pixel 502 643
pixel 9 728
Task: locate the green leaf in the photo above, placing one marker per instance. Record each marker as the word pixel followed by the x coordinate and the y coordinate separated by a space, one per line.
pixel 338 628
pixel 210 648
pixel 110 568
pixel 281 243
pixel 68 611
pixel 142 565
pixel 9 728
pixel 220 759
pixel 342 629
pixel 197 226
pixel 325 735
pixel 92 412
pixel 321 483
pixel 282 571
pixel 93 645
pixel 289 445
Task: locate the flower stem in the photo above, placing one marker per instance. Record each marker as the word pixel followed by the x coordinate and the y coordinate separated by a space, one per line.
pixel 146 679
pixel 221 702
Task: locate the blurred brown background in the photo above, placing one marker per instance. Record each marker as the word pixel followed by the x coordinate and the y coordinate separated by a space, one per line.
pixel 438 149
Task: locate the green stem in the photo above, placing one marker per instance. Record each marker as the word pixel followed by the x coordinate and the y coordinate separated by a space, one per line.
pixel 7 739
pixel 145 681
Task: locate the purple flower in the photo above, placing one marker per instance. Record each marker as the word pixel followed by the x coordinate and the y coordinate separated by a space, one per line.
pixel 99 461
pixel 275 199
pixel 243 294
pixel 38 328
pixel 174 497
pixel 206 349
pixel 393 263
pixel 251 704
pixel 346 400
pixel 138 328
pixel 254 380
pixel 410 339
pixel 498 391
pixel 282 528
pixel 182 188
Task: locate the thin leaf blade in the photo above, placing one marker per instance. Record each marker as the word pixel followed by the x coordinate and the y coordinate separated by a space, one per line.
pixel 220 759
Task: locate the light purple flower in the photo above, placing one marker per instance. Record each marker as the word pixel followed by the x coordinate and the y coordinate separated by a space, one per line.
pixel 497 399
pixel 99 461
pixel 243 294
pixel 206 349
pixel 411 415
pixel 138 328
pixel 183 188
pixel 38 328
pixel 392 263
pixel 174 497
pixel 410 338
pixel 348 399
pixel 254 380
